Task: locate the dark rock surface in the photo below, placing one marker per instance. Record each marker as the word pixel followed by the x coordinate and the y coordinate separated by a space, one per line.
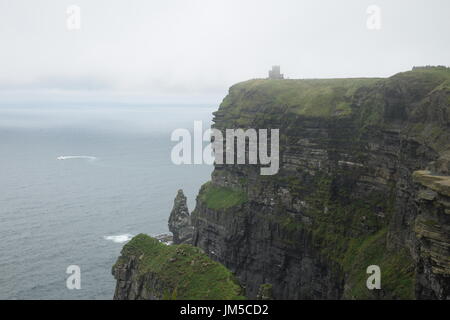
pixel 345 197
pixel 180 220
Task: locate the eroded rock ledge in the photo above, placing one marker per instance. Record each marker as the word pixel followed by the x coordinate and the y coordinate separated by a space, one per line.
pixel 432 230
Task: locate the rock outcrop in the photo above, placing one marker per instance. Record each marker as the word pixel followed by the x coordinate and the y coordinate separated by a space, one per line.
pixel 353 189
pixel 150 270
pixel 180 220
pixel 432 230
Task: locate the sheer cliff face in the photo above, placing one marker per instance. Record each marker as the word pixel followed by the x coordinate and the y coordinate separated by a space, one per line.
pixel 353 188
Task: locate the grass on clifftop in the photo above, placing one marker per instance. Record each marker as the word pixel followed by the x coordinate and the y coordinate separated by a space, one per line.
pixel 256 100
pixel 216 197
pixel 314 97
pixel 186 271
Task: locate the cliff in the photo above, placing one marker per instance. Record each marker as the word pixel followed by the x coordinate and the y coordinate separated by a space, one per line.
pixel 150 270
pixel 363 180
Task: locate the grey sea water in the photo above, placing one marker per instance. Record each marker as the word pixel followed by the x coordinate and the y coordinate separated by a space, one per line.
pixel 76 182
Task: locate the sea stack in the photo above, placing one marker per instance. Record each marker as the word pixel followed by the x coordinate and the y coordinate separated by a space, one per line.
pixel 180 220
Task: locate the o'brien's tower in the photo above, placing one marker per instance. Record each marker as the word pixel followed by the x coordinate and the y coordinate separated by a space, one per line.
pixel 275 73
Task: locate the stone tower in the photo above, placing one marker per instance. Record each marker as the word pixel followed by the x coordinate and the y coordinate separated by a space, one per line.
pixel 275 73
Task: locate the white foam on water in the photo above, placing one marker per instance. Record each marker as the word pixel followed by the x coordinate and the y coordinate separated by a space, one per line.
pixel 121 238
pixel 76 157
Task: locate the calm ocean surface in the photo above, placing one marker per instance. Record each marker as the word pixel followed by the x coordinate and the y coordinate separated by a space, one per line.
pixel 116 180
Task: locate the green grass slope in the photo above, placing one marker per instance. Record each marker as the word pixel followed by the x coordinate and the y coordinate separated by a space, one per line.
pixel 187 272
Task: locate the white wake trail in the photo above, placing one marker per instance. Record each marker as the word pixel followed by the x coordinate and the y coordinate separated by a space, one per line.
pixel 91 158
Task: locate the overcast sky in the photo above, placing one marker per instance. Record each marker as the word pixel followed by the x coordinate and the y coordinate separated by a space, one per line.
pixel 193 50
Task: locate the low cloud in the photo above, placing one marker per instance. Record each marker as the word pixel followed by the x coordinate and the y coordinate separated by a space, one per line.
pixel 179 48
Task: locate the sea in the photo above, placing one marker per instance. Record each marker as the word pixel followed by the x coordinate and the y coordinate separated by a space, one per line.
pixel 79 181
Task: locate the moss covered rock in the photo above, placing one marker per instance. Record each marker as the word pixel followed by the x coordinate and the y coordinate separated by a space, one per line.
pixel 149 269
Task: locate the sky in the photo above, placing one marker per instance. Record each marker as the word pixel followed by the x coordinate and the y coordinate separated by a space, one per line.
pixel 192 51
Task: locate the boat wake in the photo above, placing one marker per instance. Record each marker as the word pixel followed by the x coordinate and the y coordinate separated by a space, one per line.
pixel 91 158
